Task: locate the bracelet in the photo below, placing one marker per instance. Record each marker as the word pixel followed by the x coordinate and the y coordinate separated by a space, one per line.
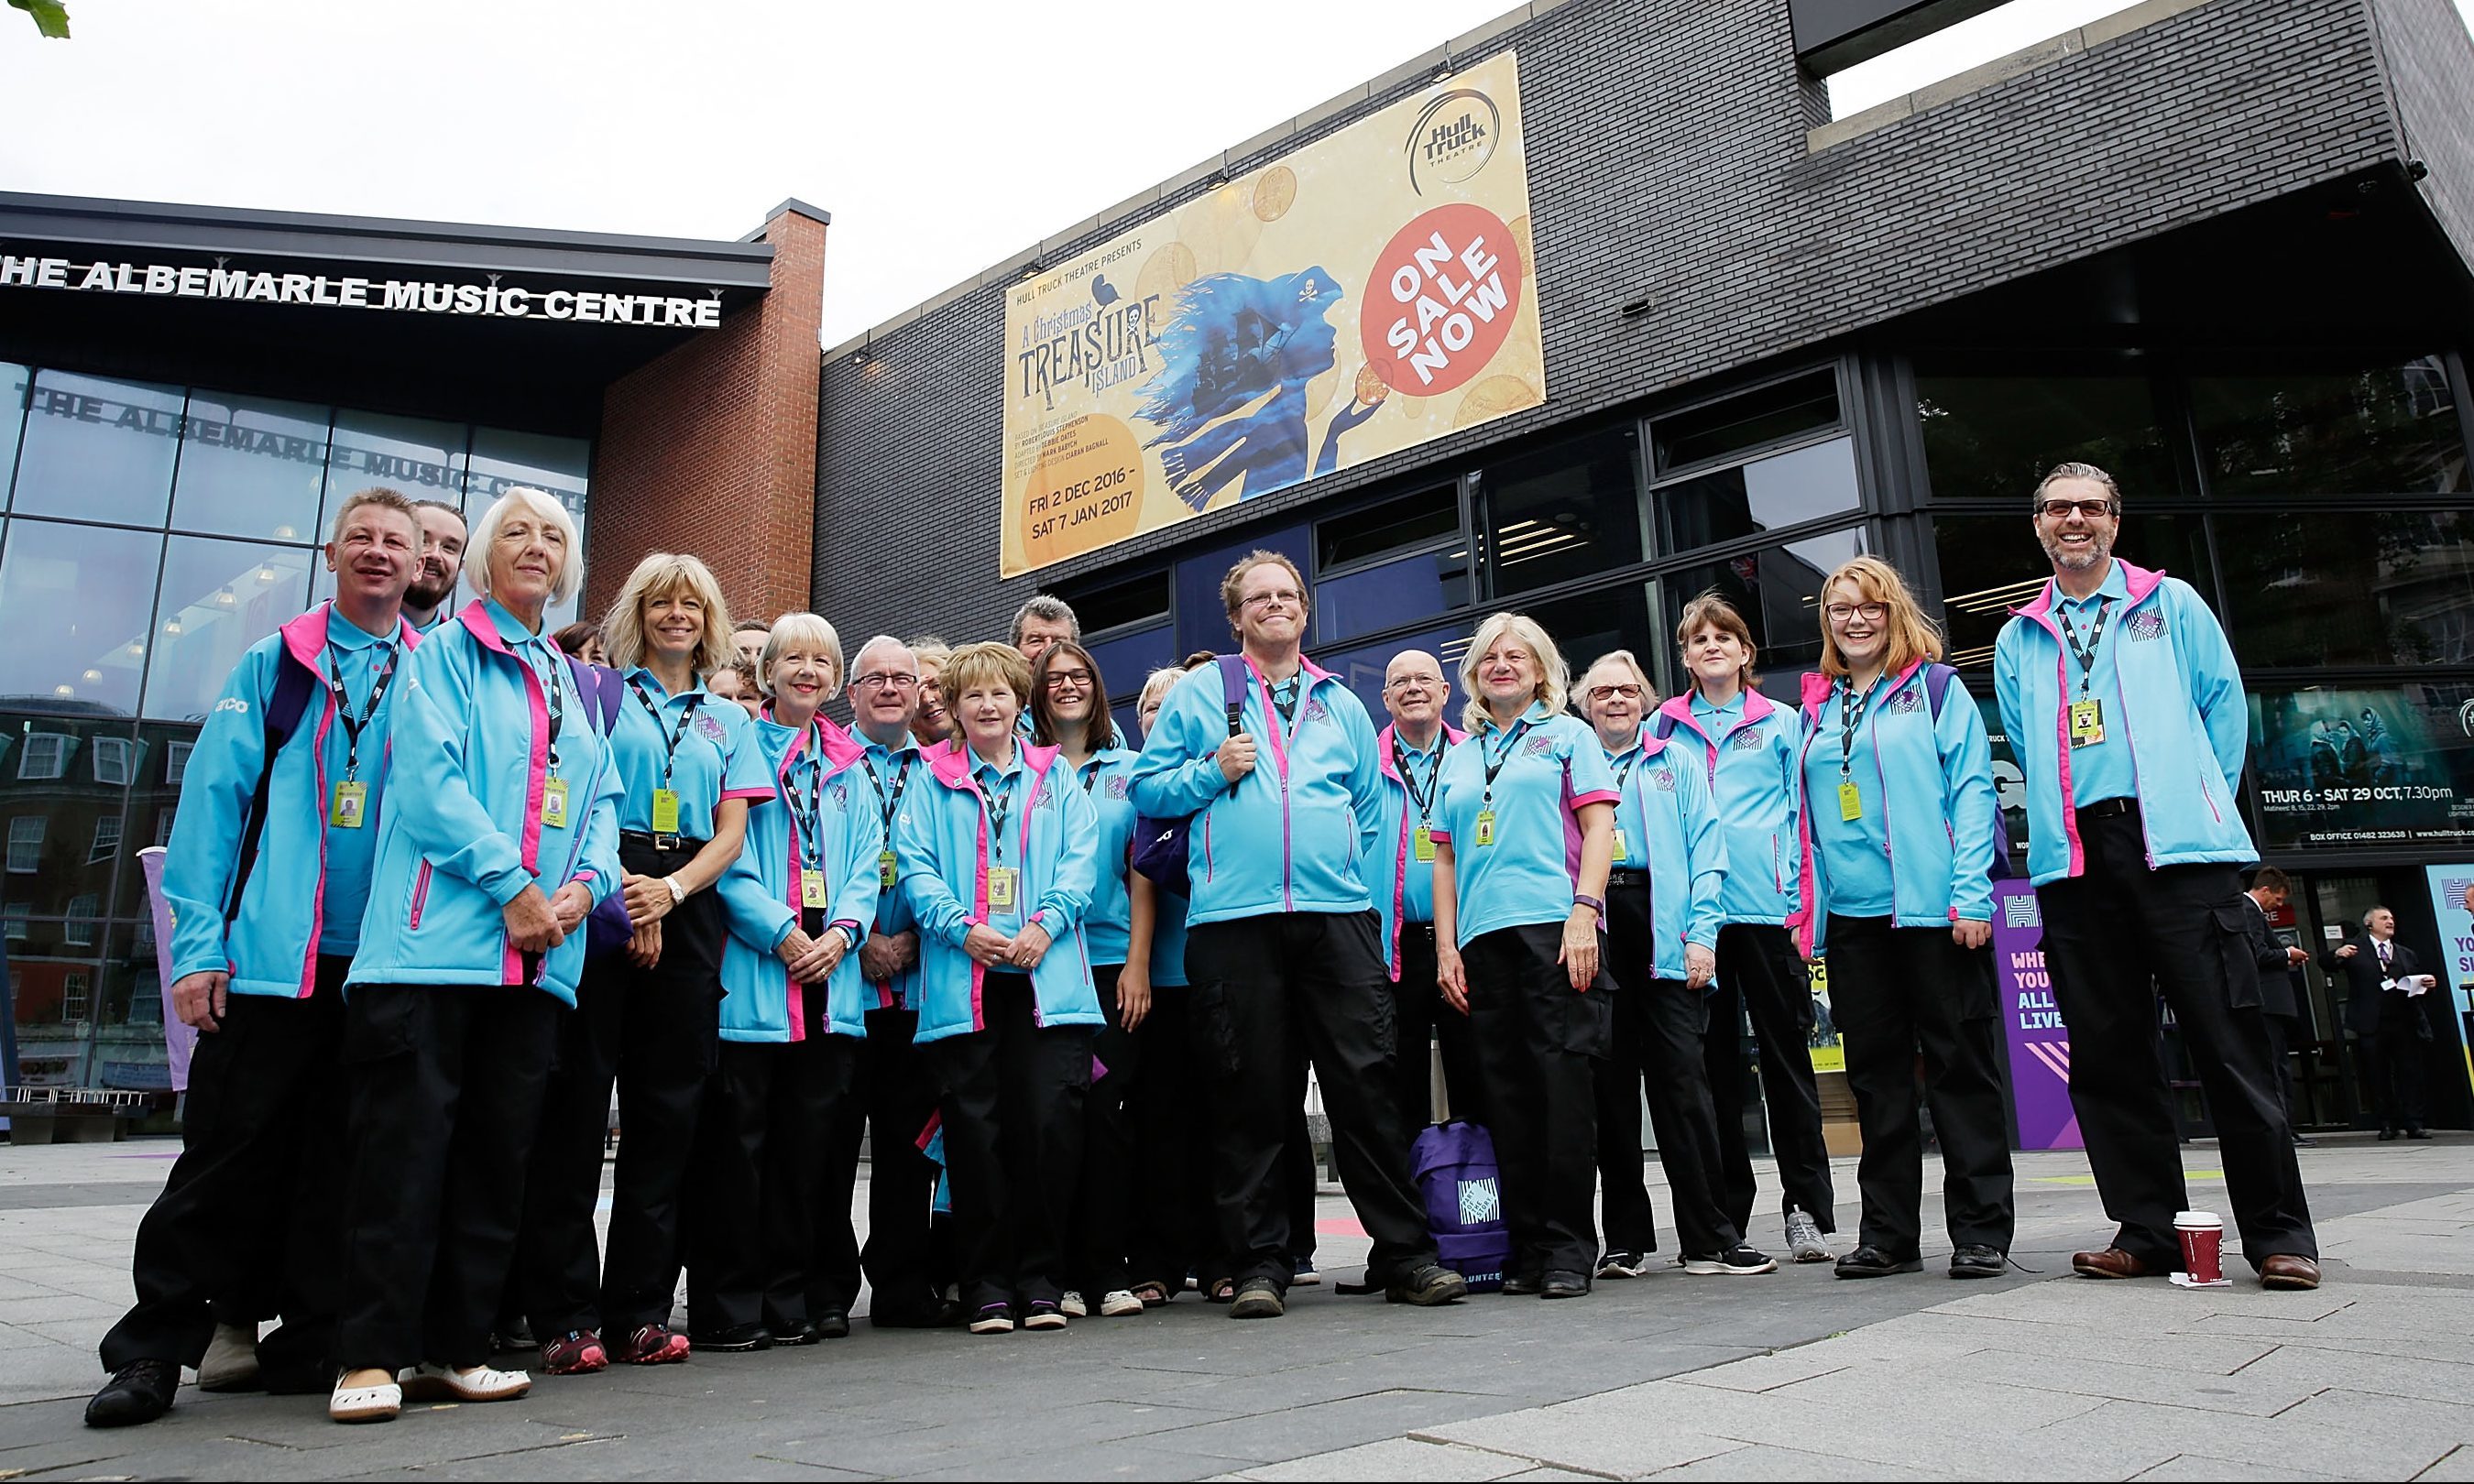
pixel 678 893
pixel 1591 902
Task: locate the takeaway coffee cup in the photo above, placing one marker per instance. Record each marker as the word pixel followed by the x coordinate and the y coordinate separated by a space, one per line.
pixel 2203 1238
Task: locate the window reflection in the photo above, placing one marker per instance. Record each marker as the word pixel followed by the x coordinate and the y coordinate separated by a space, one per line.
pixel 98 450
pixel 15 379
pixel 1361 670
pixel 218 599
pixel 1587 626
pixel 2382 430
pixel 1566 510
pixel 1783 489
pixel 1380 596
pixel 53 818
pixel 2372 588
pixel 422 459
pixel 1991 564
pixel 1779 593
pixel 1994 436
pixel 74 602
pixel 251 467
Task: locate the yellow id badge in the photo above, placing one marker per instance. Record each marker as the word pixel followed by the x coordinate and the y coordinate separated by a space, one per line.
pixel 1622 852
pixel 812 887
pixel 1486 827
pixel 886 872
pixel 1850 804
pixel 350 801
pixel 665 811
pixel 2087 723
pixel 1422 846
pixel 1001 887
pixel 554 803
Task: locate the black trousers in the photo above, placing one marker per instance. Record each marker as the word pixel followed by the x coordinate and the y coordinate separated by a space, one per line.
pixel 1538 1039
pixel 2107 933
pixel 446 1086
pixel 2398 1056
pixel 906 1258
pixel 1657 1034
pixel 1175 1231
pixel 761 1178
pixel 1759 970
pixel 1269 992
pixel 1895 991
pixel 656 1034
pixel 1424 1019
pixel 1012 1097
pixel 1103 1232
pixel 252 1205
pixel 2282 1032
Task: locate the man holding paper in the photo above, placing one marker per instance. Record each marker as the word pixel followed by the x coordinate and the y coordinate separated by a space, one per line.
pixel 2385 985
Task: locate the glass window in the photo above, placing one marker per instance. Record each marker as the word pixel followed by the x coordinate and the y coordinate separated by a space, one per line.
pixel 14 917
pixel 176 763
pixel 53 822
pixel 73 601
pixel 1994 436
pixel 107 840
pixel 1361 670
pixel 79 930
pixel 1770 415
pixel 2374 587
pixel 1412 523
pixel 2382 430
pixel 98 450
pixel 15 379
pixel 501 459
pixel 44 754
pixel 251 467
pixel 1396 592
pixel 1137 600
pixel 2389 766
pixel 1587 626
pixel 1779 593
pixel 218 599
pixel 422 459
pixel 110 758
pixel 1201 620
pixel 1767 495
pixel 77 999
pixel 1127 660
pixel 1566 510
pixel 131 996
pixel 1991 564
pixel 26 842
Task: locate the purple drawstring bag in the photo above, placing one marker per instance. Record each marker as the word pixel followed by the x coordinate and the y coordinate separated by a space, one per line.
pixel 1455 1169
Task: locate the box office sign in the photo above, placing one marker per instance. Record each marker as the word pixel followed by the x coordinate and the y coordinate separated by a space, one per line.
pixel 494 300
pixel 2384 767
pixel 1370 293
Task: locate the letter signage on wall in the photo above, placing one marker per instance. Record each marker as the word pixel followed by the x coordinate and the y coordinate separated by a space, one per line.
pixel 494 300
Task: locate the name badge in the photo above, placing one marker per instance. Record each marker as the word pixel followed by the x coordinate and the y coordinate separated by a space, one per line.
pixel 1002 880
pixel 665 811
pixel 812 887
pixel 2087 723
pixel 1623 852
pixel 886 872
pixel 554 803
pixel 1485 828
pixel 1850 804
pixel 350 799
pixel 1423 846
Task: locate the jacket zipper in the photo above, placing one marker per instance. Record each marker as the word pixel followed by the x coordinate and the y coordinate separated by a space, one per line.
pixel 420 893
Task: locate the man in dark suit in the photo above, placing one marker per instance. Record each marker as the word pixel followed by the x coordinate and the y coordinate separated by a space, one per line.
pixel 2385 985
pixel 2280 992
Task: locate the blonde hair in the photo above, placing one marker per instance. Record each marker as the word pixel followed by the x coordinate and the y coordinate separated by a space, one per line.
pixel 1625 658
pixel 980 664
pixel 379 498
pixel 1554 676
pixel 930 650
pixel 542 505
pixel 1709 610
pixel 1912 635
pixel 794 628
pixel 1155 687
pixel 661 574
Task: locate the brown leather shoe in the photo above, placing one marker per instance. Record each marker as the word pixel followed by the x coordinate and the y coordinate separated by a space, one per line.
pixel 2289 1270
pixel 2112 1262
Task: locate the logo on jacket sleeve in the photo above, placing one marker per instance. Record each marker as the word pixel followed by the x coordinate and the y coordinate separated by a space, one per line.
pixel 2147 624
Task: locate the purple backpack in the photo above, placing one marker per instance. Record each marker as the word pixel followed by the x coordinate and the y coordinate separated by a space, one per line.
pixel 603 690
pixel 1455 1169
pixel 1160 845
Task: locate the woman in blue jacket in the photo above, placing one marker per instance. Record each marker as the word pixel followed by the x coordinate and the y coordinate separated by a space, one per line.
pixel 1897 856
pixel 793 1012
pixel 1524 831
pixel 1000 861
pixel 469 948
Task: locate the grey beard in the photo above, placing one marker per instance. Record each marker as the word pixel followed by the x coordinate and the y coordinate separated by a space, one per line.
pixel 2064 557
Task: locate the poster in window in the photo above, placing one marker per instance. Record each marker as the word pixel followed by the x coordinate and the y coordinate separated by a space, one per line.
pixel 2386 767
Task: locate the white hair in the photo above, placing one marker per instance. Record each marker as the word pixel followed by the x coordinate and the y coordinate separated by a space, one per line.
pixel 800 629
pixel 538 503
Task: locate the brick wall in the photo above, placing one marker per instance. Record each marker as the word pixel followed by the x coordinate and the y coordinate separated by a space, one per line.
pixel 1668 160
pixel 712 448
pixel 2430 68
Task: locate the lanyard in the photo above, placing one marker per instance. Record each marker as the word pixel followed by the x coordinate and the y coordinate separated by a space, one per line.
pixel 2086 657
pixel 995 803
pixel 557 701
pixel 1623 775
pixel 892 803
pixel 686 714
pixel 1287 703
pixel 1091 773
pixel 810 845
pixel 344 704
pixel 1424 802
pixel 1850 712
pixel 1495 760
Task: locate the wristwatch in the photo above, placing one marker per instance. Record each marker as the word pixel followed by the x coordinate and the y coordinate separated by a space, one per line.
pixel 678 893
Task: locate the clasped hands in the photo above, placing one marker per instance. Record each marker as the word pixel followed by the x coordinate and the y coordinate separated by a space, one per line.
pixel 1023 950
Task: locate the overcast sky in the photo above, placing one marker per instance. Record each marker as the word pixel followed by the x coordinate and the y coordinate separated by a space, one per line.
pixel 940 141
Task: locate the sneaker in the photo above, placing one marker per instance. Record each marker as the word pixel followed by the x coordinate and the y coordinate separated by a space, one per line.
pixel 1305 1275
pixel 1741 1261
pixel 993 1319
pixel 1978 1260
pixel 1805 1242
pixel 1257 1299
pixel 1119 1303
pixel 1428 1286
pixel 576 1353
pixel 1072 1306
pixel 231 1361
pixel 138 1392
pixel 653 1345
pixel 1614 1264
pixel 1044 1315
pixel 1871 1261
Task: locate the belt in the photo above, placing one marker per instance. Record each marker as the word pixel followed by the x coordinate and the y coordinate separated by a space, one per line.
pixel 1416 929
pixel 660 842
pixel 2104 807
pixel 1625 876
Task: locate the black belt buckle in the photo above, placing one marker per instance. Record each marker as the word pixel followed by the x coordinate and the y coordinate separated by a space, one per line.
pixel 2104 807
pixel 1625 876
pixel 1417 929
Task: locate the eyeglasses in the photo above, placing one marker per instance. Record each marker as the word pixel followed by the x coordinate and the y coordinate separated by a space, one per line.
pixel 1285 598
pixel 1409 682
pixel 2087 509
pixel 1059 680
pixel 1611 692
pixel 1872 612
pixel 876 682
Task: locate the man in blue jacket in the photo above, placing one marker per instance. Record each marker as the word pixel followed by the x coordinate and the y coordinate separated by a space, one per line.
pixel 266 877
pixel 1280 940
pixel 2121 696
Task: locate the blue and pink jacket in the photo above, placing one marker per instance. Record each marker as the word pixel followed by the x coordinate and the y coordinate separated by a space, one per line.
pixel 1936 776
pixel 1666 804
pixel 1295 834
pixel 271 945
pixel 760 893
pixel 472 750
pixel 1750 772
pixel 942 847
pixel 1393 865
pixel 2178 702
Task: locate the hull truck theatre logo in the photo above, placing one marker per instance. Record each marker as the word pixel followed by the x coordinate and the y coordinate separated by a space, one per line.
pixel 1453 138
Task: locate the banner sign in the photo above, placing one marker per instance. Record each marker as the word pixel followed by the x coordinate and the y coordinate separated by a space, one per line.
pixel 1827 1047
pixel 1372 291
pixel 2031 1024
pixel 2392 766
pixel 2448 885
pixel 407 296
pixel 180 1038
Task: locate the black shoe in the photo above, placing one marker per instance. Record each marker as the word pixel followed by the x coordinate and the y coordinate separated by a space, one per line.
pixel 138 1392
pixel 2387 1134
pixel 1565 1285
pixel 1523 1285
pixel 1258 1299
pixel 316 1378
pixel 1978 1260
pixel 2417 1133
pixel 510 1336
pixel 737 1339
pixel 934 1314
pixel 1871 1261
pixel 1427 1286
pixel 831 1324
pixel 2302 1142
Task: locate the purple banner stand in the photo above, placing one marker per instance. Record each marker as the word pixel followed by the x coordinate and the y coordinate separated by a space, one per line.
pixel 2040 1048
pixel 179 1040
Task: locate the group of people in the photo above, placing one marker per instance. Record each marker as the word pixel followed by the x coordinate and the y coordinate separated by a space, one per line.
pixel 442 881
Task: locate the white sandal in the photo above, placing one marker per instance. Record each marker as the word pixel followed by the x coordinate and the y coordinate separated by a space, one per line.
pixel 431 1383
pixel 380 1403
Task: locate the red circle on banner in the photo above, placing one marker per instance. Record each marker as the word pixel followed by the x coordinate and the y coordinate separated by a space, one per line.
pixel 1440 299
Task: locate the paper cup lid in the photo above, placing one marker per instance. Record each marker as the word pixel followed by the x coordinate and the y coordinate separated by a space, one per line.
pixel 2197 1218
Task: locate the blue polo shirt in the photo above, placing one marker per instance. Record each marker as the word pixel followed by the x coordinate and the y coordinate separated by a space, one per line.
pixel 1002 794
pixel 357 659
pixel 2098 770
pixel 717 755
pixel 1632 852
pixel 1106 778
pixel 1417 876
pixel 1857 853
pixel 1547 766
